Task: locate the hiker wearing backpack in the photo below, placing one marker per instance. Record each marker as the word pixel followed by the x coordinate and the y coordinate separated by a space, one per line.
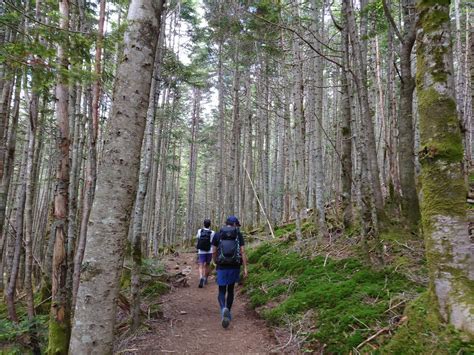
pixel 228 253
pixel 204 238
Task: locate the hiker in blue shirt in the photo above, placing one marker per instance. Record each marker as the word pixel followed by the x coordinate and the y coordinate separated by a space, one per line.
pixel 229 254
pixel 204 238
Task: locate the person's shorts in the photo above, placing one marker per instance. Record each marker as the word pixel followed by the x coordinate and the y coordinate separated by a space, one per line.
pixel 227 276
pixel 204 258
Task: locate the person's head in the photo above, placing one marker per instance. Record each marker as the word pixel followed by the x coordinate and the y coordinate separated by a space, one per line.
pixel 207 223
pixel 232 221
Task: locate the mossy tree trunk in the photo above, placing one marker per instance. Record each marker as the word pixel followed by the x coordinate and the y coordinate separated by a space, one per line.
pixel 95 311
pixel 443 191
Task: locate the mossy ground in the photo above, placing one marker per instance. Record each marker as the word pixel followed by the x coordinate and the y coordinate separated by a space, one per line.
pixel 425 333
pixel 347 300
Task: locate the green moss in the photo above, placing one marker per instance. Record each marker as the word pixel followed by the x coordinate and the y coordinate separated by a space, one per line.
pixel 439 127
pixel 343 294
pixel 424 333
pixel 58 339
pixel 444 192
pixel 125 279
pixel 284 230
pixel 434 13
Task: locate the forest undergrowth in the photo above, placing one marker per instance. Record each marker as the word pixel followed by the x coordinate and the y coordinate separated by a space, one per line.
pixel 331 299
pixel 15 337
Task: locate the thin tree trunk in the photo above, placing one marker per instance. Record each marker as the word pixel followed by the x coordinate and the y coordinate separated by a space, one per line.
pixel 190 215
pixel 17 229
pixel 360 77
pixel 318 66
pixel 137 231
pixel 410 204
pixel 91 171
pixel 59 325
pixel 29 196
pixel 346 130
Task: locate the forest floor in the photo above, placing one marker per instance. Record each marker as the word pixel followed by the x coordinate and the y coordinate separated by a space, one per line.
pixel 191 323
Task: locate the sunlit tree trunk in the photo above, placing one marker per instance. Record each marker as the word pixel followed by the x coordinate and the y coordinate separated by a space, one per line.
pixel 94 318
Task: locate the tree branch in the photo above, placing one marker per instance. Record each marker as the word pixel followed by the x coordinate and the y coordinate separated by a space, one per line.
pixel 389 16
pixel 300 37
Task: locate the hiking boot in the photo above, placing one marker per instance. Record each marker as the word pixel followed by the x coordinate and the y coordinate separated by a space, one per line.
pixel 201 283
pixel 225 317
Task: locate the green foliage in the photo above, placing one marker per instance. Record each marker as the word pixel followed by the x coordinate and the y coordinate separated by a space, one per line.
pixel 155 288
pixel 374 10
pixel 152 266
pixel 12 333
pixel 347 297
pixel 425 333
pixel 284 230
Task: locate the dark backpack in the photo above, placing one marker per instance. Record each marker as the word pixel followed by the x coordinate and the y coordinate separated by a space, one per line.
pixel 204 240
pixel 228 251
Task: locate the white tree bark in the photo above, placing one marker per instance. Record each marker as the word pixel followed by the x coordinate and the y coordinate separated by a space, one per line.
pixel 93 326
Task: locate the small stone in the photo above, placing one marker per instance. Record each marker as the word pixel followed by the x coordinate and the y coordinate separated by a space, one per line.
pixel 183 312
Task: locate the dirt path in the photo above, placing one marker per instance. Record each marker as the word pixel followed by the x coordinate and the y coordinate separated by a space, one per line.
pixel 191 321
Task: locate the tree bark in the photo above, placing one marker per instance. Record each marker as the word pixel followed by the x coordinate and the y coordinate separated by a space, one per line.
pixel 94 320
pixel 91 170
pixel 346 130
pixel 406 147
pixel 59 324
pixel 137 231
pixel 17 230
pixel 193 155
pixel 448 247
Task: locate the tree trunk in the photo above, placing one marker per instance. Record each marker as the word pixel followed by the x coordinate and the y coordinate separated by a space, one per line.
pixel 318 126
pixel 17 230
pixel 449 255
pixel 190 215
pixel 410 204
pixel 94 320
pixel 137 231
pixel 91 170
pixel 29 196
pixel 59 324
pixel 346 131
pixel 360 77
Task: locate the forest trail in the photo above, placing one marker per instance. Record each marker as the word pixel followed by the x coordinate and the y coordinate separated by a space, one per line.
pixel 191 321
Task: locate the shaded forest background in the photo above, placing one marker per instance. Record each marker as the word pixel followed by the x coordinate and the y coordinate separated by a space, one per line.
pixel 330 123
